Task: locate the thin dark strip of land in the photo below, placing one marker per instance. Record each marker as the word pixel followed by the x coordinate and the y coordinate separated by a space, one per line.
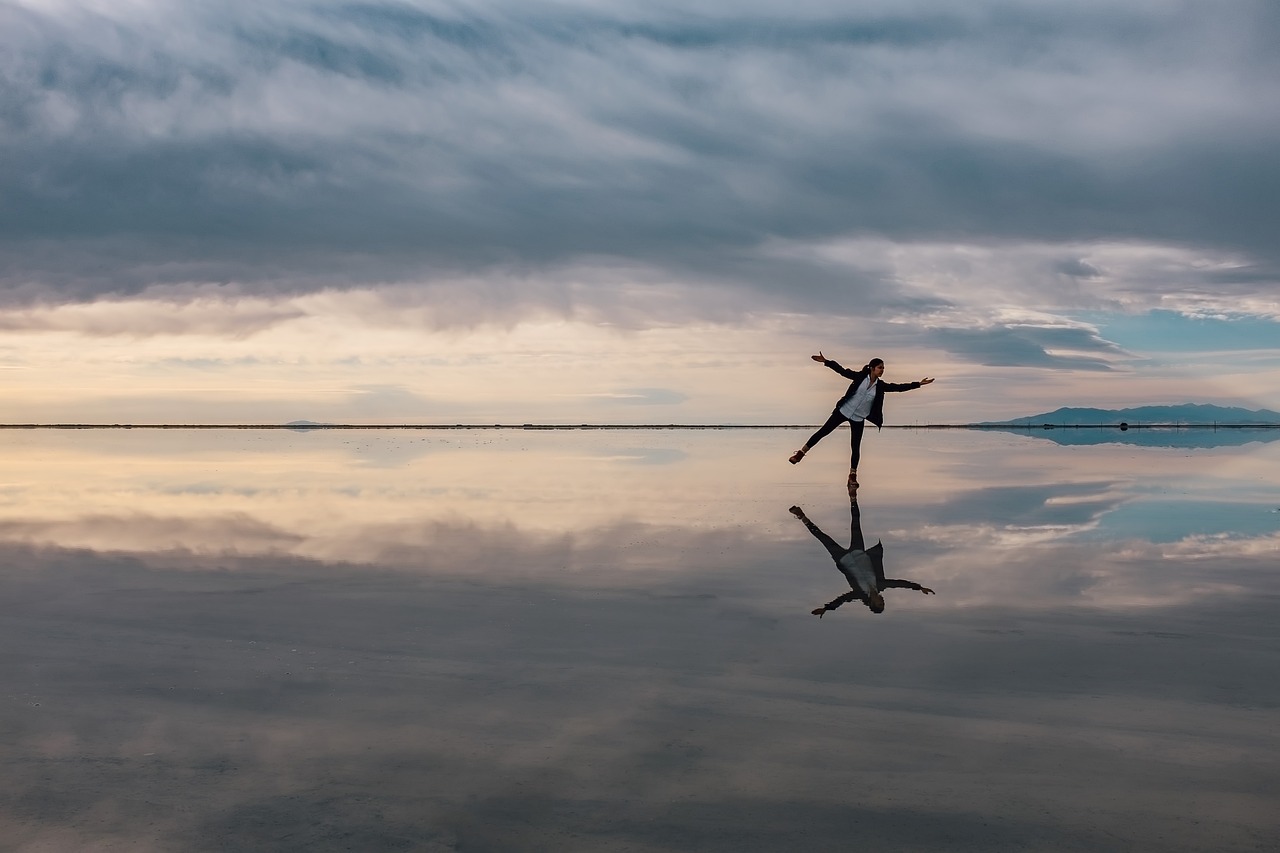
pixel 311 427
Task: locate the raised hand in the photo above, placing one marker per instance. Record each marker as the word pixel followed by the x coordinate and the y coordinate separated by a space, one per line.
pixel 820 358
pixel 926 380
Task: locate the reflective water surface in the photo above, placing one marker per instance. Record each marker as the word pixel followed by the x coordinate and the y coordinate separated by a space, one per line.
pixel 607 640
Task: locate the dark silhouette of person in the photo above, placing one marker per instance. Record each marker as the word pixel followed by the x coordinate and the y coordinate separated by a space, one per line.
pixel 862 567
pixel 862 401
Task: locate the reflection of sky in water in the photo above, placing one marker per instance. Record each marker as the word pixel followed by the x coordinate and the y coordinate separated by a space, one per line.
pixel 1170 521
pixel 602 640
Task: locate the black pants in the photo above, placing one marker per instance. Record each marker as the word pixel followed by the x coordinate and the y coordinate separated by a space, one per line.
pixel 855 436
pixel 834 548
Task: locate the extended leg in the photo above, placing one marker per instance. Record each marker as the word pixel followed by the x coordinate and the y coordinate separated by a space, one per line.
pixel 823 431
pixel 833 547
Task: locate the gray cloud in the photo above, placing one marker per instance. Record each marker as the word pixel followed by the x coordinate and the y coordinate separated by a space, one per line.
pixel 1077 268
pixel 1030 346
pixel 308 146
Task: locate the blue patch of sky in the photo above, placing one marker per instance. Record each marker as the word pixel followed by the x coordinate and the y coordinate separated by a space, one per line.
pixel 1174 332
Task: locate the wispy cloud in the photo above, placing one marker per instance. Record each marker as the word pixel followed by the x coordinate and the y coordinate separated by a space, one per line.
pixel 577 154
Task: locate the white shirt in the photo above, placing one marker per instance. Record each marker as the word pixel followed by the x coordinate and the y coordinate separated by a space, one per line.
pixel 857 567
pixel 857 407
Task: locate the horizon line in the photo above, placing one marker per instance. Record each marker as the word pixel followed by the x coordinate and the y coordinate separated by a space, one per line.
pixel 307 426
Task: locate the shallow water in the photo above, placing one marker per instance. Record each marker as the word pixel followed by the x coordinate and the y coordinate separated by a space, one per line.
pixel 602 640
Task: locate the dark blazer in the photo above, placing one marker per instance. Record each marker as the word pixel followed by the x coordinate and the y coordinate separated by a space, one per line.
pixel 857 593
pixel 877 405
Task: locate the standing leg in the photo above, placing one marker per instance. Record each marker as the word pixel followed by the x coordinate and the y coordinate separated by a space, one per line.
pixel 855 451
pixel 823 431
pixel 856 542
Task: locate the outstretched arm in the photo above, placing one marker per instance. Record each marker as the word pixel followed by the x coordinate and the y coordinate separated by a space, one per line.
pixel 834 603
pixel 835 365
pixel 906 386
pixel 894 583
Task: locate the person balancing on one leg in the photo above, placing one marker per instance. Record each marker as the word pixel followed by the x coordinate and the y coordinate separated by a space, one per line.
pixel 863 401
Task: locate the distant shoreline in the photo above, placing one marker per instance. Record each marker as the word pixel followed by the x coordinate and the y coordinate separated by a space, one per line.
pixel 443 427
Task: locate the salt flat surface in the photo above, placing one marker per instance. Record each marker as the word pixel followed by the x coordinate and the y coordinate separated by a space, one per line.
pixel 550 640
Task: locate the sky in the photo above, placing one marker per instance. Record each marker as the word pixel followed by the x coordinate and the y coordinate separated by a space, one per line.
pixel 605 212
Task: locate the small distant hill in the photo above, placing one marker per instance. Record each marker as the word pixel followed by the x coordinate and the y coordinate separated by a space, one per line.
pixel 303 426
pixel 1185 413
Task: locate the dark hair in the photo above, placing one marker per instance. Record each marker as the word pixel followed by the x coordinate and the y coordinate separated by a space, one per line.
pixel 875 362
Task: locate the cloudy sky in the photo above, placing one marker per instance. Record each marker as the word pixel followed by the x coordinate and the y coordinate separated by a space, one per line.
pixel 515 210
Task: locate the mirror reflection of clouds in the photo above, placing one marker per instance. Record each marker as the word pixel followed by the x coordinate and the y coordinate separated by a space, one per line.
pixel 1005 519
pixel 536 634
pixel 1056 505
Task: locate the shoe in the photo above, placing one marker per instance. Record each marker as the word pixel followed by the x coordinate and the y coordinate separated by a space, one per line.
pixel 797 456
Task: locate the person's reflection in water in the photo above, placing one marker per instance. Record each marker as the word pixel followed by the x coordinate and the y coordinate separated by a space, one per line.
pixel 863 567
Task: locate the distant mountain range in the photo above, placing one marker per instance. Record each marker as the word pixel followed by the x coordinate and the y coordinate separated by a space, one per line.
pixel 1186 413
